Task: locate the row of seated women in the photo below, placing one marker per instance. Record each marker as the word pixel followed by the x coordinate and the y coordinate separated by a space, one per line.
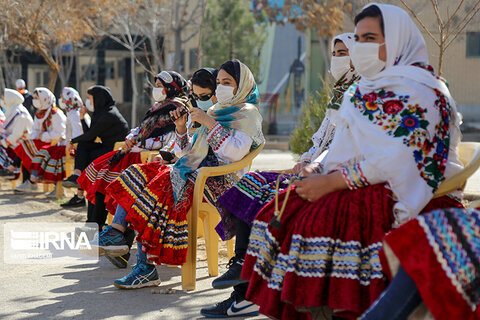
pixel 389 139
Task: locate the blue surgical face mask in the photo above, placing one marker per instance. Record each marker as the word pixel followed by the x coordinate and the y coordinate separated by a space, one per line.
pixel 204 105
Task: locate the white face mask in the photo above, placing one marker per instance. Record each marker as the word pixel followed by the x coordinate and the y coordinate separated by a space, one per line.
pixel 37 104
pixel 158 94
pixel 224 93
pixel 89 105
pixel 365 59
pixel 339 66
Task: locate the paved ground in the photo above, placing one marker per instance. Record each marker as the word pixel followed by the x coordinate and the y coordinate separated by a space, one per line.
pixel 86 292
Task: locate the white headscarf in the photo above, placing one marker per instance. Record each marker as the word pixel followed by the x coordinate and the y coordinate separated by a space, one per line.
pixel 348 40
pixel 394 139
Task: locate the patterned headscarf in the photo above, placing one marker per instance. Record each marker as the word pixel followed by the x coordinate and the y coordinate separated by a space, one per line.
pixel 240 113
pixel 47 107
pixel 71 99
pixel 174 83
pixel 348 78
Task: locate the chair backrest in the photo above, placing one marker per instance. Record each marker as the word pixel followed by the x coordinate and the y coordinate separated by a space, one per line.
pixel 469 153
pixel 118 145
pixel 147 156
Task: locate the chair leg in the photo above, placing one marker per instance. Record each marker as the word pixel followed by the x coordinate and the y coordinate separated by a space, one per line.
pixel 45 187
pixel 59 190
pixel 200 232
pixel 230 250
pixel 189 268
pixel 211 242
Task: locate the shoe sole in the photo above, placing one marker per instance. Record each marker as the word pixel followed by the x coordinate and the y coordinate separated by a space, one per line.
pixel 64 205
pixel 69 184
pixel 153 283
pixel 117 263
pixel 114 251
pixel 249 314
pixel 227 284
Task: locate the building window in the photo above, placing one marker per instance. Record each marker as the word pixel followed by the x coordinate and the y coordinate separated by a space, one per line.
pixel 90 72
pixel 193 58
pixel 110 70
pixel 473 44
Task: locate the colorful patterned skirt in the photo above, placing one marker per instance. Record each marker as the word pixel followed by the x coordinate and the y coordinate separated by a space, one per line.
pixel 100 173
pixel 49 163
pixel 326 253
pixel 245 199
pixel 145 191
pixel 27 150
pixel 440 251
pixel 7 155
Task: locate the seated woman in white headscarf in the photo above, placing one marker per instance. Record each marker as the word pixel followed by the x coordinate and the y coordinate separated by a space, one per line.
pixel 49 125
pixel 154 199
pixel 396 141
pixel 16 128
pixel 241 203
pixel 48 165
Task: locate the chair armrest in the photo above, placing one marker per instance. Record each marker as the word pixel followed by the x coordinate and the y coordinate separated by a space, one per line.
pixel 205 172
pixel 232 167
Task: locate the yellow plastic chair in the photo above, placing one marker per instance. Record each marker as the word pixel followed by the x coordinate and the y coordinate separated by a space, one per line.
pixel 118 145
pixel 210 217
pixel 469 153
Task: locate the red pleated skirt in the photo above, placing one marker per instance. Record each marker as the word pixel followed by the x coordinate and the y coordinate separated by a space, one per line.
pixel 27 150
pixel 326 253
pixel 50 163
pixel 100 173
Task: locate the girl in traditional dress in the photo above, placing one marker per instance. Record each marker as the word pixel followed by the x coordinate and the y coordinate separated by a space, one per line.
pixel 396 141
pixel 154 199
pixel 49 125
pixel 48 165
pixel 16 128
pixel 155 132
pixel 239 205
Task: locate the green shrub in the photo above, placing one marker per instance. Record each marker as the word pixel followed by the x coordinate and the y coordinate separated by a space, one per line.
pixel 312 116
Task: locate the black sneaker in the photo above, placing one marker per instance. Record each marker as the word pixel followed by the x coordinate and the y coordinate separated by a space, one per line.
pixel 71 182
pixel 119 262
pixel 232 276
pixel 6 174
pixel 232 307
pixel 76 201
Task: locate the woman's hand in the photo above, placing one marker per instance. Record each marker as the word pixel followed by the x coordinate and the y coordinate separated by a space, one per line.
pixel 129 144
pixel 181 121
pixel 200 116
pixel 315 186
pixel 164 162
pixel 298 167
pixel 70 147
pixel 83 112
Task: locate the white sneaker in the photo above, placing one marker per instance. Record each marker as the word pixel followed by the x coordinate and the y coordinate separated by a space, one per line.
pixel 242 308
pixel 26 187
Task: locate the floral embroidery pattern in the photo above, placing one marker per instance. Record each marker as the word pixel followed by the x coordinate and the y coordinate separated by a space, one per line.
pixel 400 119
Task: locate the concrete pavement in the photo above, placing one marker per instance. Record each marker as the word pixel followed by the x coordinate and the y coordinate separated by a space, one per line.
pixel 87 292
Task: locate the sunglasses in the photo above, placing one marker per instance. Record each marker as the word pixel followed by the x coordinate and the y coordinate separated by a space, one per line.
pixel 204 97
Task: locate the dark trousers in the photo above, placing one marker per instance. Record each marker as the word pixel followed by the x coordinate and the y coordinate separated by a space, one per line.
pixel 397 302
pixel 88 151
pixel 97 212
pixel 17 163
pixel 241 244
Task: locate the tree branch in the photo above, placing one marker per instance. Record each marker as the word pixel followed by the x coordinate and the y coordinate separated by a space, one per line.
pixel 465 25
pixel 420 22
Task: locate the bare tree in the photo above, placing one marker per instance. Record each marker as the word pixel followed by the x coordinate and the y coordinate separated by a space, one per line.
pixel 42 26
pixel 185 22
pixel 449 26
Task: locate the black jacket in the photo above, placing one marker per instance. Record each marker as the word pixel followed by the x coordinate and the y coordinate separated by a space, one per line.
pixel 28 103
pixel 107 122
